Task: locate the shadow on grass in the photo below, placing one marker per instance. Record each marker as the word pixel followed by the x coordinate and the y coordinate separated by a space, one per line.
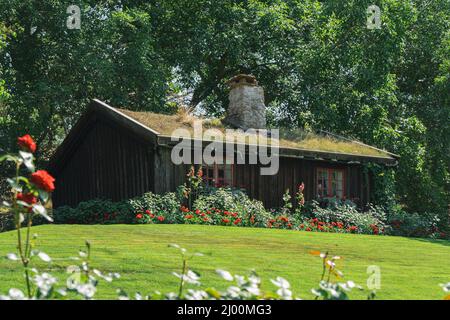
pixel 435 241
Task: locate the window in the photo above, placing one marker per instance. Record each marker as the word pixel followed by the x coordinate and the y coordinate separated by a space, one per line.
pixel 218 175
pixel 330 183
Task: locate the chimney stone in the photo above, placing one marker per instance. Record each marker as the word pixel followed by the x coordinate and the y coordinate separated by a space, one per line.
pixel 246 109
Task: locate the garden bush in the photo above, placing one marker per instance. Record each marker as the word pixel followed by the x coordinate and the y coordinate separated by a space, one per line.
pixel 415 225
pixel 95 212
pixel 349 218
pixel 225 206
pixel 155 208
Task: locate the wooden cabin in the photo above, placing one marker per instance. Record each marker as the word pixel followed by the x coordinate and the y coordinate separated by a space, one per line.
pixel 118 154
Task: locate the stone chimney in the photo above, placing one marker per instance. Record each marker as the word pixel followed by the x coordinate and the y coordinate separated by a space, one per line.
pixel 246 109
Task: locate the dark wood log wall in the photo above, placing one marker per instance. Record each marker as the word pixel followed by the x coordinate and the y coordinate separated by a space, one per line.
pixel 108 163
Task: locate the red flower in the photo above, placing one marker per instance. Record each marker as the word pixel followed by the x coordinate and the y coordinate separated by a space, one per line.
pixel 302 226
pixel 225 220
pixel 234 214
pixel 152 215
pixel 252 219
pixel 43 180
pixel 27 143
pixel 197 211
pixel 28 198
pixel 308 229
pixel 189 216
pixel 139 216
pixel 148 212
pixel 205 219
pixel 301 187
pixel 289 225
pixel 161 218
pixel 237 221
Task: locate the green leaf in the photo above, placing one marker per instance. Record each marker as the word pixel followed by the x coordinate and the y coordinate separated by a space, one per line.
pixel 8 157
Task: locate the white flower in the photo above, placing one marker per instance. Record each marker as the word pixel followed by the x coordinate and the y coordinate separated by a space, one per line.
pixel 87 290
pixel 234 291
pixel 253 290
pixel 13 294
pixel 446 287
pixel 12 256
pixel 240 280
pixel 284 293
pixel 225 274
pixel 196 294
pixel 44 282
pixel 190 277
pixel 281 283
pixel 44 257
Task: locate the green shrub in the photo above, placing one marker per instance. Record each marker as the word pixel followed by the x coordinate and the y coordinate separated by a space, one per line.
pixel 250 211
pixel 151 206
pixel 95 212
pixel 414 224
pixel 349 216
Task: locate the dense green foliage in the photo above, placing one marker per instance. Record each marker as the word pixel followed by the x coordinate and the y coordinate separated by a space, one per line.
pixel 229 207
pixel 320 66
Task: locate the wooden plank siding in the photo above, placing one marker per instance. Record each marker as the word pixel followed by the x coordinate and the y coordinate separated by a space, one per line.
pixel 107 163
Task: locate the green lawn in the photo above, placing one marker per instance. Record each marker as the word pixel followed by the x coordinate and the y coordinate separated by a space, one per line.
pixel 410 268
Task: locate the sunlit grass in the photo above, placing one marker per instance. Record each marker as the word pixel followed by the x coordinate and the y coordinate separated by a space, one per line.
pixel 410 268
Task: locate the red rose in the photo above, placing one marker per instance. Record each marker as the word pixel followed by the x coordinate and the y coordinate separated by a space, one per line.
pixel 308 229
pixel 189 216
pixel 27 143
pixel 225 220
pixel 197 211
pixel 161 218
pixel 237 221
pixel 139 216
pixel 28 198
pixel 43 180
pixel 152 215
pixel 148 212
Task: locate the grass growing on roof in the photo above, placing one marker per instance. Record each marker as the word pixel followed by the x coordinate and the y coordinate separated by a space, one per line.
pixel 166 124
pixel 410 268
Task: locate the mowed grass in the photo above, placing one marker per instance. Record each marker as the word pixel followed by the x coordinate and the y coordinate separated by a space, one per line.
pixel 410 268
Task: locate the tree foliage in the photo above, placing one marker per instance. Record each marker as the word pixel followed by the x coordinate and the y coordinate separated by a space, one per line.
pixel 320 66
